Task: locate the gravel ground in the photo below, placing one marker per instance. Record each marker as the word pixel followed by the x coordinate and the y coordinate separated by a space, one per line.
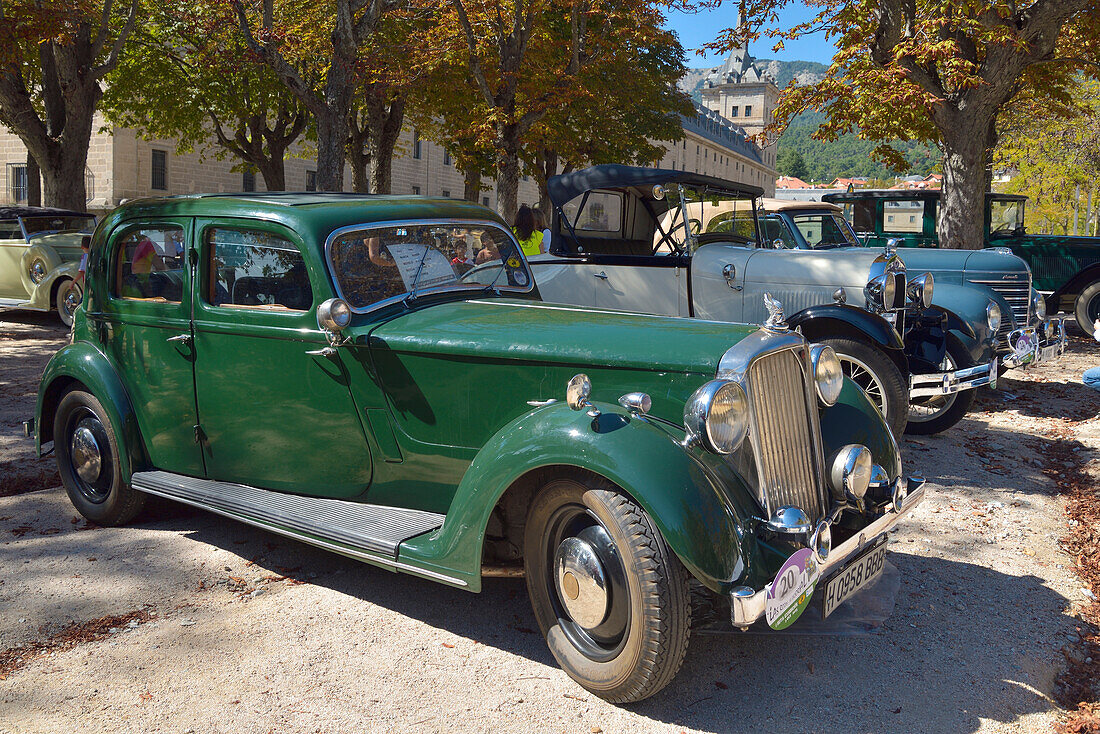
pixel 245 631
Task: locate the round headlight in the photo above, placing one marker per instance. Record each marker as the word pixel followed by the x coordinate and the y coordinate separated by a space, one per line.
pixel 850 471
pixel 993 316
pixel 717 415
pixel 920 289
pixel 880 292
pixel 334 315
pixel 828 375
pixel 37 271
pixel 1038 305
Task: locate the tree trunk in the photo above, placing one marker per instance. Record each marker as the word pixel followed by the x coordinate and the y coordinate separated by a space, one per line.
pixel 965 182
pixel 34 182
pixel 273 171
pixel 63 175
pixel 332 137
pixel 359 160
pixel 471 188
pixel 508 173
pixel 383 140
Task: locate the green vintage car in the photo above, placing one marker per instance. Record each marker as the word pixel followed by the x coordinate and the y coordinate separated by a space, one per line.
pixel 39 258
pixel 1065 269
pixel 376 376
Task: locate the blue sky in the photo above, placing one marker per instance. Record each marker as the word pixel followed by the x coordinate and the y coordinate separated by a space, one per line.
pixel 695 29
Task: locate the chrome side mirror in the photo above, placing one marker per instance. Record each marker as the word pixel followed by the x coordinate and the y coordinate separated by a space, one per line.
pixel 333 316
pixel 577 391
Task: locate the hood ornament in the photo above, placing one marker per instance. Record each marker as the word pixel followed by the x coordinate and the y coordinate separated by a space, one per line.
pixel 892 245
pixel 776 321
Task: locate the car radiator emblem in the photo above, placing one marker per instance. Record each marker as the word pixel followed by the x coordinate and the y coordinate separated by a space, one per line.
pixel 776 321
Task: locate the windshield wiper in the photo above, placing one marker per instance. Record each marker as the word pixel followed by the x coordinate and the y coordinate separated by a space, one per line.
pixel 416 278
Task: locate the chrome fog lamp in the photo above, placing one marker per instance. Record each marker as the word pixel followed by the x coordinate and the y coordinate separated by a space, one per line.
pixel 790 520
pixel 1038 305
pixel 37 271
pixel 821 542
pixel 850 472
pixel 901 491
pixel 993 316
pixel 717 415
pixel 920 290
pixel 334 315
pixel 636 402
pixel 828 374
pixel 880 291
pixel 840 296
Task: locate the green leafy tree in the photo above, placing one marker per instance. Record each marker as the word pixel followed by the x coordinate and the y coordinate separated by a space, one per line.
pixel 189 75
pixel 933 71
pixel 53 59
pixel 790 163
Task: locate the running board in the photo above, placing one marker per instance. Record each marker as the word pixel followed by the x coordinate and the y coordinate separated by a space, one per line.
pixel 360 527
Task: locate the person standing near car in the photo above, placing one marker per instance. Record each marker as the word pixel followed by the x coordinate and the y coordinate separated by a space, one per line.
pixel 540 224
pixel 530 238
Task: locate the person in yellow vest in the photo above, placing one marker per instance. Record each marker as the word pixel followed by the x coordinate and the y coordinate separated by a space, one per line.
pixel 530 238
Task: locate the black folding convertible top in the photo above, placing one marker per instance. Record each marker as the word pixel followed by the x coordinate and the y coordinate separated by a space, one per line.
pixel 569 186
pixel 11 212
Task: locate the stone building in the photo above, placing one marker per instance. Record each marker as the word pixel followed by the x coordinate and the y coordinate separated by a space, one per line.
pixel 743 93
pixel 122 165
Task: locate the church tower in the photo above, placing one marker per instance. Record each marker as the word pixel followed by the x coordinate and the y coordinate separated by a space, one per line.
pixel 742 92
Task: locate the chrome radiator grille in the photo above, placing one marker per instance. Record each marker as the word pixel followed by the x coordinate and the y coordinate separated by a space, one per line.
pixel 783 438
pixel 1018 295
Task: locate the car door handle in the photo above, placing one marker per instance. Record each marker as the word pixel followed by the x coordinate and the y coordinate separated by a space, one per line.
pixel 730 273
pixel 326 352
pixel 601 275
pixel 181 338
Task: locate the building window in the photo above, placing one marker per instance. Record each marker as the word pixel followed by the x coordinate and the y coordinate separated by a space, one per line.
pixel 17 182
pixel 748 110
pixel 733 111
pixel 485 201
pixel 248 180
pixel 311 180
pixel 697 150
pixel 446 194
pixel 160 170
pixel 446 157
pixel 526 177
pixel 416 191
pixel 416 145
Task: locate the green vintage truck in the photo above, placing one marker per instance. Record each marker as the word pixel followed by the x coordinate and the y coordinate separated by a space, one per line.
pixel 1064 268
pixel 377 377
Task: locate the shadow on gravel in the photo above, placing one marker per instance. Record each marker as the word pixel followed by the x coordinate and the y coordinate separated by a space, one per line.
pixel 952 655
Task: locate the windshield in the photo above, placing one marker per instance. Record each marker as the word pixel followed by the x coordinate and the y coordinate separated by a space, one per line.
pixel 35 225
pixel 1005 216
pixel 374 264
pixel 823 231
pixel 712 216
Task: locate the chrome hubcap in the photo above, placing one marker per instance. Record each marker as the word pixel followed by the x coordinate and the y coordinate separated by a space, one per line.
pixel 71 300
pixel 86 456
pixel 582 582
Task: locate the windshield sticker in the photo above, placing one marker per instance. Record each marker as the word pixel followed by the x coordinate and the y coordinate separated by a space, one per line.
pixel 792 589
pixel 421 266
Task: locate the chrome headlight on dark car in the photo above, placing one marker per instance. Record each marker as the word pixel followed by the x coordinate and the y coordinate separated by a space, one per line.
pixel 993 316
pixel 717 415
pixel 1038 305
pixel 880 292
pixel 920 290
pixel 828 374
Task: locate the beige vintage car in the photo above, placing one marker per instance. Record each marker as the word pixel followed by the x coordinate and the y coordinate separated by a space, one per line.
pixel 40 259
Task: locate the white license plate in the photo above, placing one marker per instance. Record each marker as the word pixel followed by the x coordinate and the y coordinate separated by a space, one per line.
pixel 858 574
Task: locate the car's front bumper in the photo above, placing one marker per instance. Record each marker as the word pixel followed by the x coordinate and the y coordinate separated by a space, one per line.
pixel 747 605
pixel 1036 344
pixel 945 383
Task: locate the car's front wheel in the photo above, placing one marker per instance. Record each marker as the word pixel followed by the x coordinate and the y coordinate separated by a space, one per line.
pixel 879 378
pixel 940 412
pixel 88 461
pixel 68 298
pixel 1087 308
pixel 609 595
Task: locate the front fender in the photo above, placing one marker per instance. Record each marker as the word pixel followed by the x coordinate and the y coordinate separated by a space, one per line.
pixel 842 320
pixel 966 317
pixel 81 364
pixel 695 516
pixel 42 295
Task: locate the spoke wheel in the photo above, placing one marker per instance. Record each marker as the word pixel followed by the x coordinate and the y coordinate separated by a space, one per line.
pixel 610 597
pixel 1087 308
pixel 879 378
pixel 940 412
pixel 868 381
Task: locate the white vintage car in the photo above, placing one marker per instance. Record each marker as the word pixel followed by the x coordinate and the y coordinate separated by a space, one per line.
pixel 621 240
pixel 39 258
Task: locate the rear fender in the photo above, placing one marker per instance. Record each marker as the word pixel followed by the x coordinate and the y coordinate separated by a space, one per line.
pixel 697 513
pixel 842 320
pixel 1075 285
pixel 82 366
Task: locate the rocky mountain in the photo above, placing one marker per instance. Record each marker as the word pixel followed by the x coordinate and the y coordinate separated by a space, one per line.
pixel 783 72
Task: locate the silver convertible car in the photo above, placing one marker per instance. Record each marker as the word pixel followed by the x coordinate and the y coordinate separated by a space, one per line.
pixel 678 243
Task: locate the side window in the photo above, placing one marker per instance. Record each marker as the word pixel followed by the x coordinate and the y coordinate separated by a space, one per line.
pixel 774 230
pixel 149 265
pixel 602 212
pixel 253 269
pixel 861 214
pixel 904 216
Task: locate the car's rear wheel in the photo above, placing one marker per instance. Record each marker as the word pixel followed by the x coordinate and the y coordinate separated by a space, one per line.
pixel 879 378
pixel 88 461
pixel 609 595
pixel 1087 309
pixel 940 412
pixel 67 300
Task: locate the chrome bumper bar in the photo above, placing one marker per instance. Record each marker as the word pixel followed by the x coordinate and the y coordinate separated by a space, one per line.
pixel 944 383
pixel 1031 345
pixel 747 604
